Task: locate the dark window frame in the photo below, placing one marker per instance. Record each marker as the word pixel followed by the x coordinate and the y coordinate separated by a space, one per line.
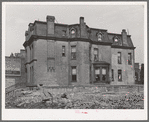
pixel 73 54
pixel 119 74
pixel 73 76
pixel 112 74
pixel 63 51
pixel 96 55
pixel 119 59
pixel 129 61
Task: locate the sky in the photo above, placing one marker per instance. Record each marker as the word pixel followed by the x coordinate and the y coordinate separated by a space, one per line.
pixel 114 18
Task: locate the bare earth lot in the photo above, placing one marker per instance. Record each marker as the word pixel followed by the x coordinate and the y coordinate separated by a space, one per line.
pixel 76 100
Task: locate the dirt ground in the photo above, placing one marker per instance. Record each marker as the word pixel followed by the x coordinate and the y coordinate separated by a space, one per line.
pixel 76 100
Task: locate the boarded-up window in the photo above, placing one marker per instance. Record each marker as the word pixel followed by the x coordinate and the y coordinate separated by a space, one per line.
pixel 51 48
pixel 51 65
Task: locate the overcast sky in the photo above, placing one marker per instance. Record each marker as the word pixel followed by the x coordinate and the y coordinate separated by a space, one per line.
pixel 114 18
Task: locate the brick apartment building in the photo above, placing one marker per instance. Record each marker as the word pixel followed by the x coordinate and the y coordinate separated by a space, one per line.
pixel 61 54
pixel 15 68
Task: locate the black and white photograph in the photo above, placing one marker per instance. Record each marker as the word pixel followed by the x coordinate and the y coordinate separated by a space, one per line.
pixel 74 60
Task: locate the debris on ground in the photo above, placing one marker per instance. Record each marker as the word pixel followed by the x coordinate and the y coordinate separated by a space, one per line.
pixel 43 99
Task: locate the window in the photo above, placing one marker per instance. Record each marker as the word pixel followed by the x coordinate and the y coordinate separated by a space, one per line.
pixel 74 74
pixel 116 39
pixel 95 54
pixel 99 37
pixel 103 74
pixel 119 58
pixel 72 31
pixel 73 52
pixel 63 51
pixel 119 75
pixel 50 65
pixel 112 74
pixel 129 59
pixel 64 33
pixel 97 74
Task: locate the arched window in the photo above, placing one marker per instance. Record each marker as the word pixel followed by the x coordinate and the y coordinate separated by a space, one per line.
pixel 73 32
pixel 99 36
pixel 116 39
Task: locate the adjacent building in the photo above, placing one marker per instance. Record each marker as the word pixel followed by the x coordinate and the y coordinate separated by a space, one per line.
pixel 15 68
pixel 137 73
pixel 62 54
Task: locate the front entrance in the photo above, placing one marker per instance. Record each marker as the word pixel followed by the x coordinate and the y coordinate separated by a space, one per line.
pixel 101 74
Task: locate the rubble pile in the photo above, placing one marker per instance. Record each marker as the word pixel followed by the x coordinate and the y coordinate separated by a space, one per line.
pixel 76 100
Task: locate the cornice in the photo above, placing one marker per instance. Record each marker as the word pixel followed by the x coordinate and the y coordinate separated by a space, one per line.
pixel 122 47
pixel 35 37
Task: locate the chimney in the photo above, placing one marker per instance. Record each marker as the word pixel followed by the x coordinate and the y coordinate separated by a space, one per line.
pixel 81 20
pixel 124 37
pixel 83 31
pixel 50 25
